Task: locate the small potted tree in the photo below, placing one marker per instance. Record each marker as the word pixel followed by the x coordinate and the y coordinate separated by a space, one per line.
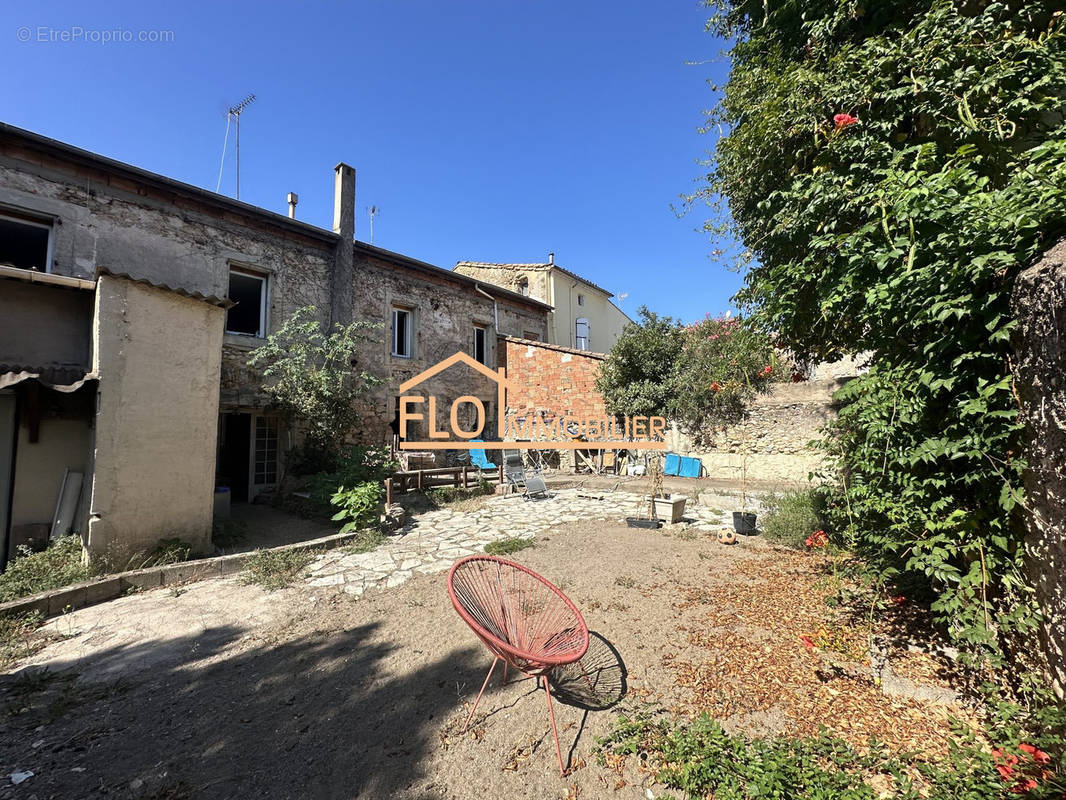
pixel 744 520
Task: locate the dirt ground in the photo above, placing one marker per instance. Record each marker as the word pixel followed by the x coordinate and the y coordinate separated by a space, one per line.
pixel 222 690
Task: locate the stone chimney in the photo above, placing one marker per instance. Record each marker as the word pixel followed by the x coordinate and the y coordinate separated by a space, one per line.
pixel 344 225
pixel 551 258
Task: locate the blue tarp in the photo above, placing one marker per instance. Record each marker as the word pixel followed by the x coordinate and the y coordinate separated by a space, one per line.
pixel 690 468
pixel 684 467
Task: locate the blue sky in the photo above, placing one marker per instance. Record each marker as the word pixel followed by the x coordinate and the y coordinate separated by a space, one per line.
pixel 487 130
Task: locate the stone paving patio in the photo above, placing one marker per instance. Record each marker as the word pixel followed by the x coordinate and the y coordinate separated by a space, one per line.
pixel 433 540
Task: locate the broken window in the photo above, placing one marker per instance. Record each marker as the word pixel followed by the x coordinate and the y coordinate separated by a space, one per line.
pixel 402 332
pixel 248 316
pixel 480 350
pixel 581 299
pixel 581 334
pixel 25 244
pixel 523 285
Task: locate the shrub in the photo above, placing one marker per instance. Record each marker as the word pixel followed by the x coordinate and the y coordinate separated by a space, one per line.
pixel 60 564
pixel 355 465
pixel 311 379
pixel 359 506
pixel 792 517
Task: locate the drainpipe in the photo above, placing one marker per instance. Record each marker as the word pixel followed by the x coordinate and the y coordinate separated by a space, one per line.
pixel 495 311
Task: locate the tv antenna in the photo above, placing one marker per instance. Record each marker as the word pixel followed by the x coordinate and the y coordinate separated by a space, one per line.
pixel 233 114
pixel 373 211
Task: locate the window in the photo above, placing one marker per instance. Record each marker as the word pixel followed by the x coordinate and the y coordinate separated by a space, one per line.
pixel 533 335
pixel 25 244
pixel 523 285
pixel 480 349
pixel 266 451
pixel 581 299
pixel 248 316
pixel 581 334
pixel 401 332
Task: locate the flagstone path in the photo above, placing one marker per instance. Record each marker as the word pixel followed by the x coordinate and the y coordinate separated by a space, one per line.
pixel 433 540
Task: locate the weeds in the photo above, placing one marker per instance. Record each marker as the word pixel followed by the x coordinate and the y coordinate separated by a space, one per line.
pixel 57 566
pixel 16 637
pixel 503 547
pixel 792 517
pixel 367 540
pixel 276 569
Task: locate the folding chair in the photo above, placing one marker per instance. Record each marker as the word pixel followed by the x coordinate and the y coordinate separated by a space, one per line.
pixel 531 485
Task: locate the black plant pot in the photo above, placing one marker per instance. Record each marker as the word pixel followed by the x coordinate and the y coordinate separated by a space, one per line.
pixel 744 523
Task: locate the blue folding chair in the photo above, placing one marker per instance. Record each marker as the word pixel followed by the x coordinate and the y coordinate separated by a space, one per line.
pixel 479 459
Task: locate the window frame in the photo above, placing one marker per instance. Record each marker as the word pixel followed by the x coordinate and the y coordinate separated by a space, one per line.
pixel 578 337
pixel 581 300
pixel 484 331
pixel 409 330
pixel 264 287
pixel 34 221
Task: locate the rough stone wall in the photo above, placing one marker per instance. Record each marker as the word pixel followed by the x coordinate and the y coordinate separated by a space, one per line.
pixel 126 227
pixel 1040 374
pixel 550 378
pixel 509 275
pixel 444 320
pixel 773 442
pixel 157 355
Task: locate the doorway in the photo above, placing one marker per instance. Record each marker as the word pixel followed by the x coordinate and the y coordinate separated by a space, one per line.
pixel 235 444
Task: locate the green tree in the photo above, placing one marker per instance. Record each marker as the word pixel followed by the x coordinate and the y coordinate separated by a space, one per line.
pixel 889 168
pixel 312 380
pixel 636 377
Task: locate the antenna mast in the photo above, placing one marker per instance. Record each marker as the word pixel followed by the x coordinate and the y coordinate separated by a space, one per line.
pixel 234 112
pixel 373 211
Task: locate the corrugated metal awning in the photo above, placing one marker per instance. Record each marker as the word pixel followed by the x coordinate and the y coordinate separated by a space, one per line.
pixel 59 378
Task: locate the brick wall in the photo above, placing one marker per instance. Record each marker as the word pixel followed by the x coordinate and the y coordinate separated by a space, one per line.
pixel 551 378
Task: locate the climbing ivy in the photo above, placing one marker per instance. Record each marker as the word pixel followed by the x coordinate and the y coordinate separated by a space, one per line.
pixel 889 169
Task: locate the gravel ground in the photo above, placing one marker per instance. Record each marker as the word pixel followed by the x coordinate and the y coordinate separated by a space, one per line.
pixel 223 690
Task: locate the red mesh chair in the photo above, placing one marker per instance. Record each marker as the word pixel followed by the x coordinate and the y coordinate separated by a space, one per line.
pixel 522 619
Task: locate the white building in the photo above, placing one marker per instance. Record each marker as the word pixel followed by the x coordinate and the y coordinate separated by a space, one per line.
pixel 583 316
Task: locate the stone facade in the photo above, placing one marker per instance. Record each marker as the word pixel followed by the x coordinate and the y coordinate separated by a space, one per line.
pixel 1040 374
pixel 105 216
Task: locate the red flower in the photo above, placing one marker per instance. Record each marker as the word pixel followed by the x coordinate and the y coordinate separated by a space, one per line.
pixel 817 539
pixel 899 600
pixel 765 371
pixel 843 120
pixel 1039 756
pixel 716 387
pixel 808 642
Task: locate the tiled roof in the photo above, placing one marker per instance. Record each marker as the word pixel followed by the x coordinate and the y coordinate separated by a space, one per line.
pixel 542 266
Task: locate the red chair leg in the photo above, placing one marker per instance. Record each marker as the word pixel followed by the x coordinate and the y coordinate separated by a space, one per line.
pixel 555 732
pixel 486 683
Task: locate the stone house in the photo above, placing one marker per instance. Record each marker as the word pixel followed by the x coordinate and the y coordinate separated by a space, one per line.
pixel 583 316
pixel 129 304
